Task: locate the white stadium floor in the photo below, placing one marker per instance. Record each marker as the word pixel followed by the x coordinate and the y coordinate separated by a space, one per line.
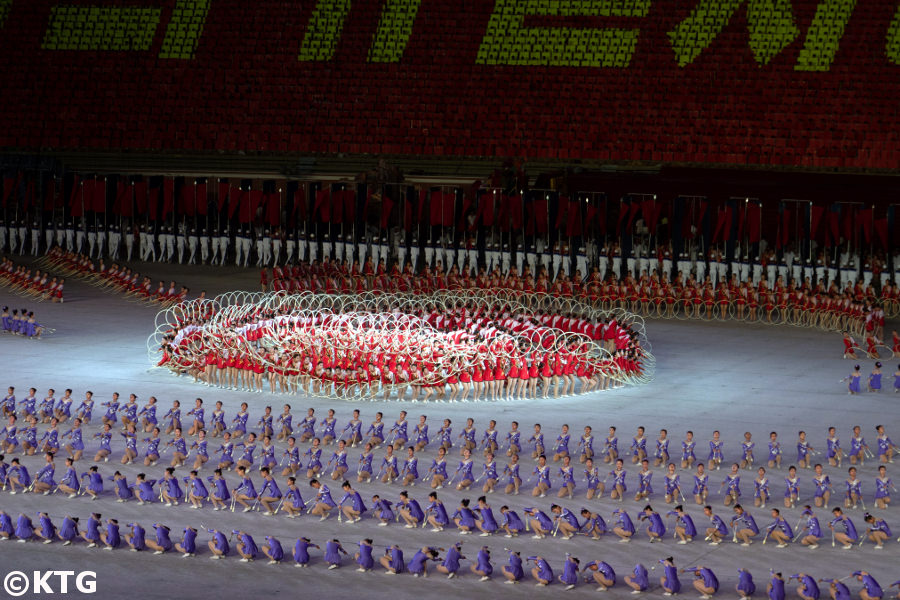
pixel 726 376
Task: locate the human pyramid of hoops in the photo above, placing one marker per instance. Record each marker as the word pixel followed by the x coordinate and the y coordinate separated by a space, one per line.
pixel 565 466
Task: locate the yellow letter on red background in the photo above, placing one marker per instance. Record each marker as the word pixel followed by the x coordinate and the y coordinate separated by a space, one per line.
pixel 508 41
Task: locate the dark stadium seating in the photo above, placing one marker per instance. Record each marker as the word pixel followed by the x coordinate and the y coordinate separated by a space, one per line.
pixel 730 82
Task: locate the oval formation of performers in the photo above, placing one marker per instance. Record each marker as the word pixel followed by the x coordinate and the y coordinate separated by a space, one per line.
pixel 442 345
pixel 856 308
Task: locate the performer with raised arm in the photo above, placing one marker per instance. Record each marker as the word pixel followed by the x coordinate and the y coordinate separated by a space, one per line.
pixel 669 580
pixel 219 494
pixel 624 527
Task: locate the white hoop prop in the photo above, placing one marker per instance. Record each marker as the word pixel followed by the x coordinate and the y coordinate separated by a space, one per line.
pixel 303 335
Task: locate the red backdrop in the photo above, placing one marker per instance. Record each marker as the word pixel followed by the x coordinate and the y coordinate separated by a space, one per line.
pixel 245 88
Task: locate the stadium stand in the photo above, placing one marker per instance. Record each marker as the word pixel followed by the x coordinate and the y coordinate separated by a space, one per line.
pixel 742 82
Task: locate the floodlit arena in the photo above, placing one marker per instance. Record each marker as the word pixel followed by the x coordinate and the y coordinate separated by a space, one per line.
pixel 410 298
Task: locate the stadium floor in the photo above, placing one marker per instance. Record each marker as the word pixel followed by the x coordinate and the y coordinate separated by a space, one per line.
pixel 727 376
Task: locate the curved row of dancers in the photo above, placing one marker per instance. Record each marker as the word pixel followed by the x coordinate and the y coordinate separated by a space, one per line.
pixel 350 346
pixel 873 381
pixel 21 322
pixel 354 377
pixel 115 278
pixel 109 535
pixel 873 344
pixel 855 308
pixel 39 285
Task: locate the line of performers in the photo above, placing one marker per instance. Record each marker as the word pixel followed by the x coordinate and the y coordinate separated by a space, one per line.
pixel 439 347
pixel 873 382
pixel 856 308
pixel 249 451
pixel 21 322
pixel 467 519
pixel 38 285
pixel 114 277
pixel 192 242
pixel 871 350
pixel 17 477
pixel 109 535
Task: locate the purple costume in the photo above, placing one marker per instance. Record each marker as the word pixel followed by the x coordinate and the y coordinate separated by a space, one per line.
pixel 69 529
pixel 639 576
pixel 24 528
pixel 301 551
pixel 745 582
pixel 809 583
pixel 672 584
pixel 397 563
pixel 451 559
pixel 276 552
pixel 543 567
